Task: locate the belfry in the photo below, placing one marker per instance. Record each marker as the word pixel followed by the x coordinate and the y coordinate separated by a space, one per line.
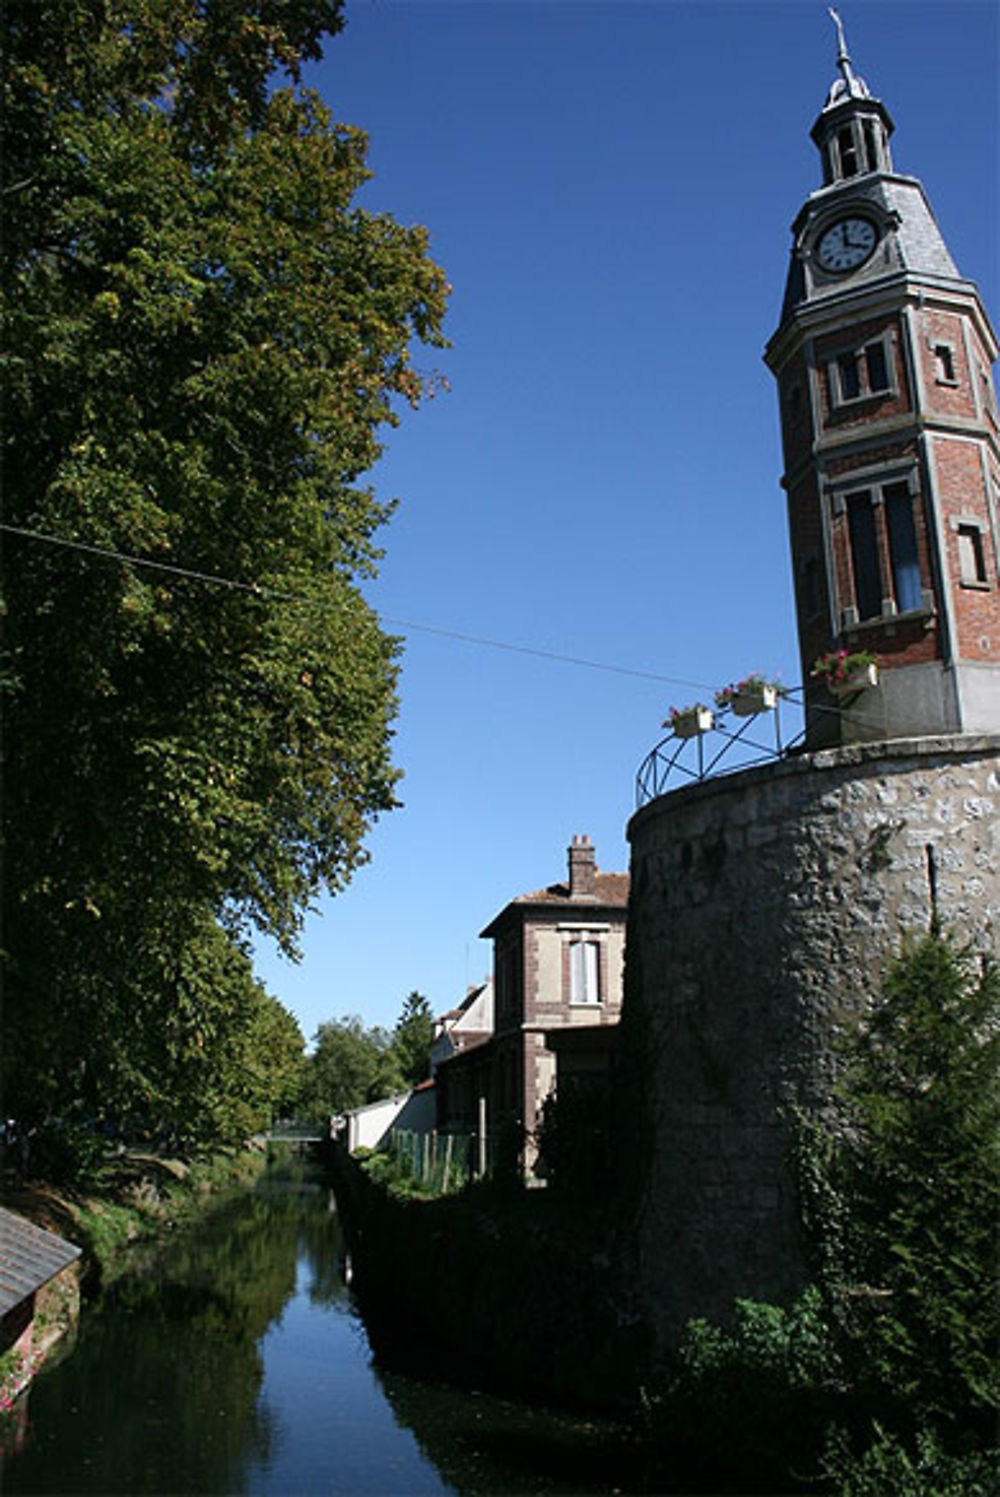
pixel 891 444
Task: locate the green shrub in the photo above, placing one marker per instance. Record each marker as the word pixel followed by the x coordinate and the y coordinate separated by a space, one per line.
pixel 890 1467
pixel 749 1401
pixel 901 1205
pixel 66 1152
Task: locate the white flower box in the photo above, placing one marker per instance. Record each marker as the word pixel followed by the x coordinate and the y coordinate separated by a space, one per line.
pixel 858 680
pixel 755 699
pixel 692 722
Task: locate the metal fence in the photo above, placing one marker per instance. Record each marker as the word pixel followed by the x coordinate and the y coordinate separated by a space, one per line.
pixel 438 1162
pixel 732 743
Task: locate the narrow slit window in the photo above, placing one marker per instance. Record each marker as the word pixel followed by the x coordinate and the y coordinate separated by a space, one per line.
pixel 945 359
pixel 971 555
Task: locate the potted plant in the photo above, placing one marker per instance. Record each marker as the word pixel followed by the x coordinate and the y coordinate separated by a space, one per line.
pixel 688 722
pixel 846 671
pixel 755 693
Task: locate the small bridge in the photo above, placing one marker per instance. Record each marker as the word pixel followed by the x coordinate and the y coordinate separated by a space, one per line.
pixel 295 1138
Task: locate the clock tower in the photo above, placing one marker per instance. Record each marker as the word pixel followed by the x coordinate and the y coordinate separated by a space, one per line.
pixel 891 444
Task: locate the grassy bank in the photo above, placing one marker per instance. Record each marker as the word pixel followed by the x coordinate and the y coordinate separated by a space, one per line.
pixel 134 1200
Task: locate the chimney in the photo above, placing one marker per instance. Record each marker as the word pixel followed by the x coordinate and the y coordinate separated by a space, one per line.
pixel 582 869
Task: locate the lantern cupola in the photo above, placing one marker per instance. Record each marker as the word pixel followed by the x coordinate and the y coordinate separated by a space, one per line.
pixel 853 129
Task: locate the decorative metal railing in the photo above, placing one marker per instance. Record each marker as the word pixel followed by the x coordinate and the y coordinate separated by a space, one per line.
pixel 724 747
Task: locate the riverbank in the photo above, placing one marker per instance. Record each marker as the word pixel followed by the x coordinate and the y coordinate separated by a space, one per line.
pixel 135 1201
pixel 521 1291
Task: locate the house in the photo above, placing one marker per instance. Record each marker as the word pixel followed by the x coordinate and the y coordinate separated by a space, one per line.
pixel 558 961
pixel 370 1126
pixel 471 1023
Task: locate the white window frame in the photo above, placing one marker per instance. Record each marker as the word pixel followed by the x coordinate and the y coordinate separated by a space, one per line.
pixel 585 973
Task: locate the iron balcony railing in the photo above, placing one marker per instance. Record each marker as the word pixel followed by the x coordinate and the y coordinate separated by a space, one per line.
pixel 724 748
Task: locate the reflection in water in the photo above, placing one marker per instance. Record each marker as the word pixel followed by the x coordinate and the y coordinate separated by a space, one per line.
pixel 228 1367
pixel 236 1363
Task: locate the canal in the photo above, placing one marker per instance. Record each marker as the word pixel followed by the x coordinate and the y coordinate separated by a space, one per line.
pixel 234 1361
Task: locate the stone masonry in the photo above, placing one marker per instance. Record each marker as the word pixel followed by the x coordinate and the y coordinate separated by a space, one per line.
pixel 766 907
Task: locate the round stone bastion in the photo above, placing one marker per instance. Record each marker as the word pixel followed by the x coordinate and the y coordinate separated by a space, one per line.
pixel 765 909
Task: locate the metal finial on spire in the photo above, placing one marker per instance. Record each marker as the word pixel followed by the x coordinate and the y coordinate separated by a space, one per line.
pixel 843 56
pixel 848 85
pixel 842 53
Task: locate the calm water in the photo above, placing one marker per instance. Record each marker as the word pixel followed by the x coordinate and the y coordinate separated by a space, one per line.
pixel 236 1363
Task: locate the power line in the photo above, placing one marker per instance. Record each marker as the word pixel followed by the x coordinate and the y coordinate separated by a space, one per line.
pixel 259 590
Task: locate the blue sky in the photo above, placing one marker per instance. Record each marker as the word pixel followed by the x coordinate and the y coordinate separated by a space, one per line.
pixel 610 187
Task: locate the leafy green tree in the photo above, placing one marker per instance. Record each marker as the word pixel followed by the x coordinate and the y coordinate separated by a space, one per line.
pixel 412 1038
pixel 203 337
pixel 917 1177
pixel 350 1065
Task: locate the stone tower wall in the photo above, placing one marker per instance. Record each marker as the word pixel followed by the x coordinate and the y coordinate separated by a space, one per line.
pixel 766 906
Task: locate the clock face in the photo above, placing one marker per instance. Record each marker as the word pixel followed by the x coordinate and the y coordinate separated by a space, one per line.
pixel 846 244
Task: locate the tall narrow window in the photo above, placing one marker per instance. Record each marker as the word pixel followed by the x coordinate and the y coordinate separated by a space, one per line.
pixel 849 370
pixel 871 150
pixel 878 369
pixel 904 558
pixel 584 972
pixel 864 555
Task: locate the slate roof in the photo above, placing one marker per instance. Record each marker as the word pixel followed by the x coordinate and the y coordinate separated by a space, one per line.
pixel 29 1258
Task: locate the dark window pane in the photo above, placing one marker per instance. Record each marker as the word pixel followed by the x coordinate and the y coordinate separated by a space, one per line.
pixel 946 362
pixel 849 370
pixel 864 555
pixel 903 556
pixel 878 373
pixel 971 554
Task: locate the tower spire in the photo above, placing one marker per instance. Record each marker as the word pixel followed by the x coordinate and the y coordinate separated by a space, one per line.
pixel 848 85
pixel 843 56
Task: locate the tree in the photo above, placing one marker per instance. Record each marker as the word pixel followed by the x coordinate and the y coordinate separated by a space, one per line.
pixel 350 1065
pixel 203 339
pixel 917 1186
pixel 412 1038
